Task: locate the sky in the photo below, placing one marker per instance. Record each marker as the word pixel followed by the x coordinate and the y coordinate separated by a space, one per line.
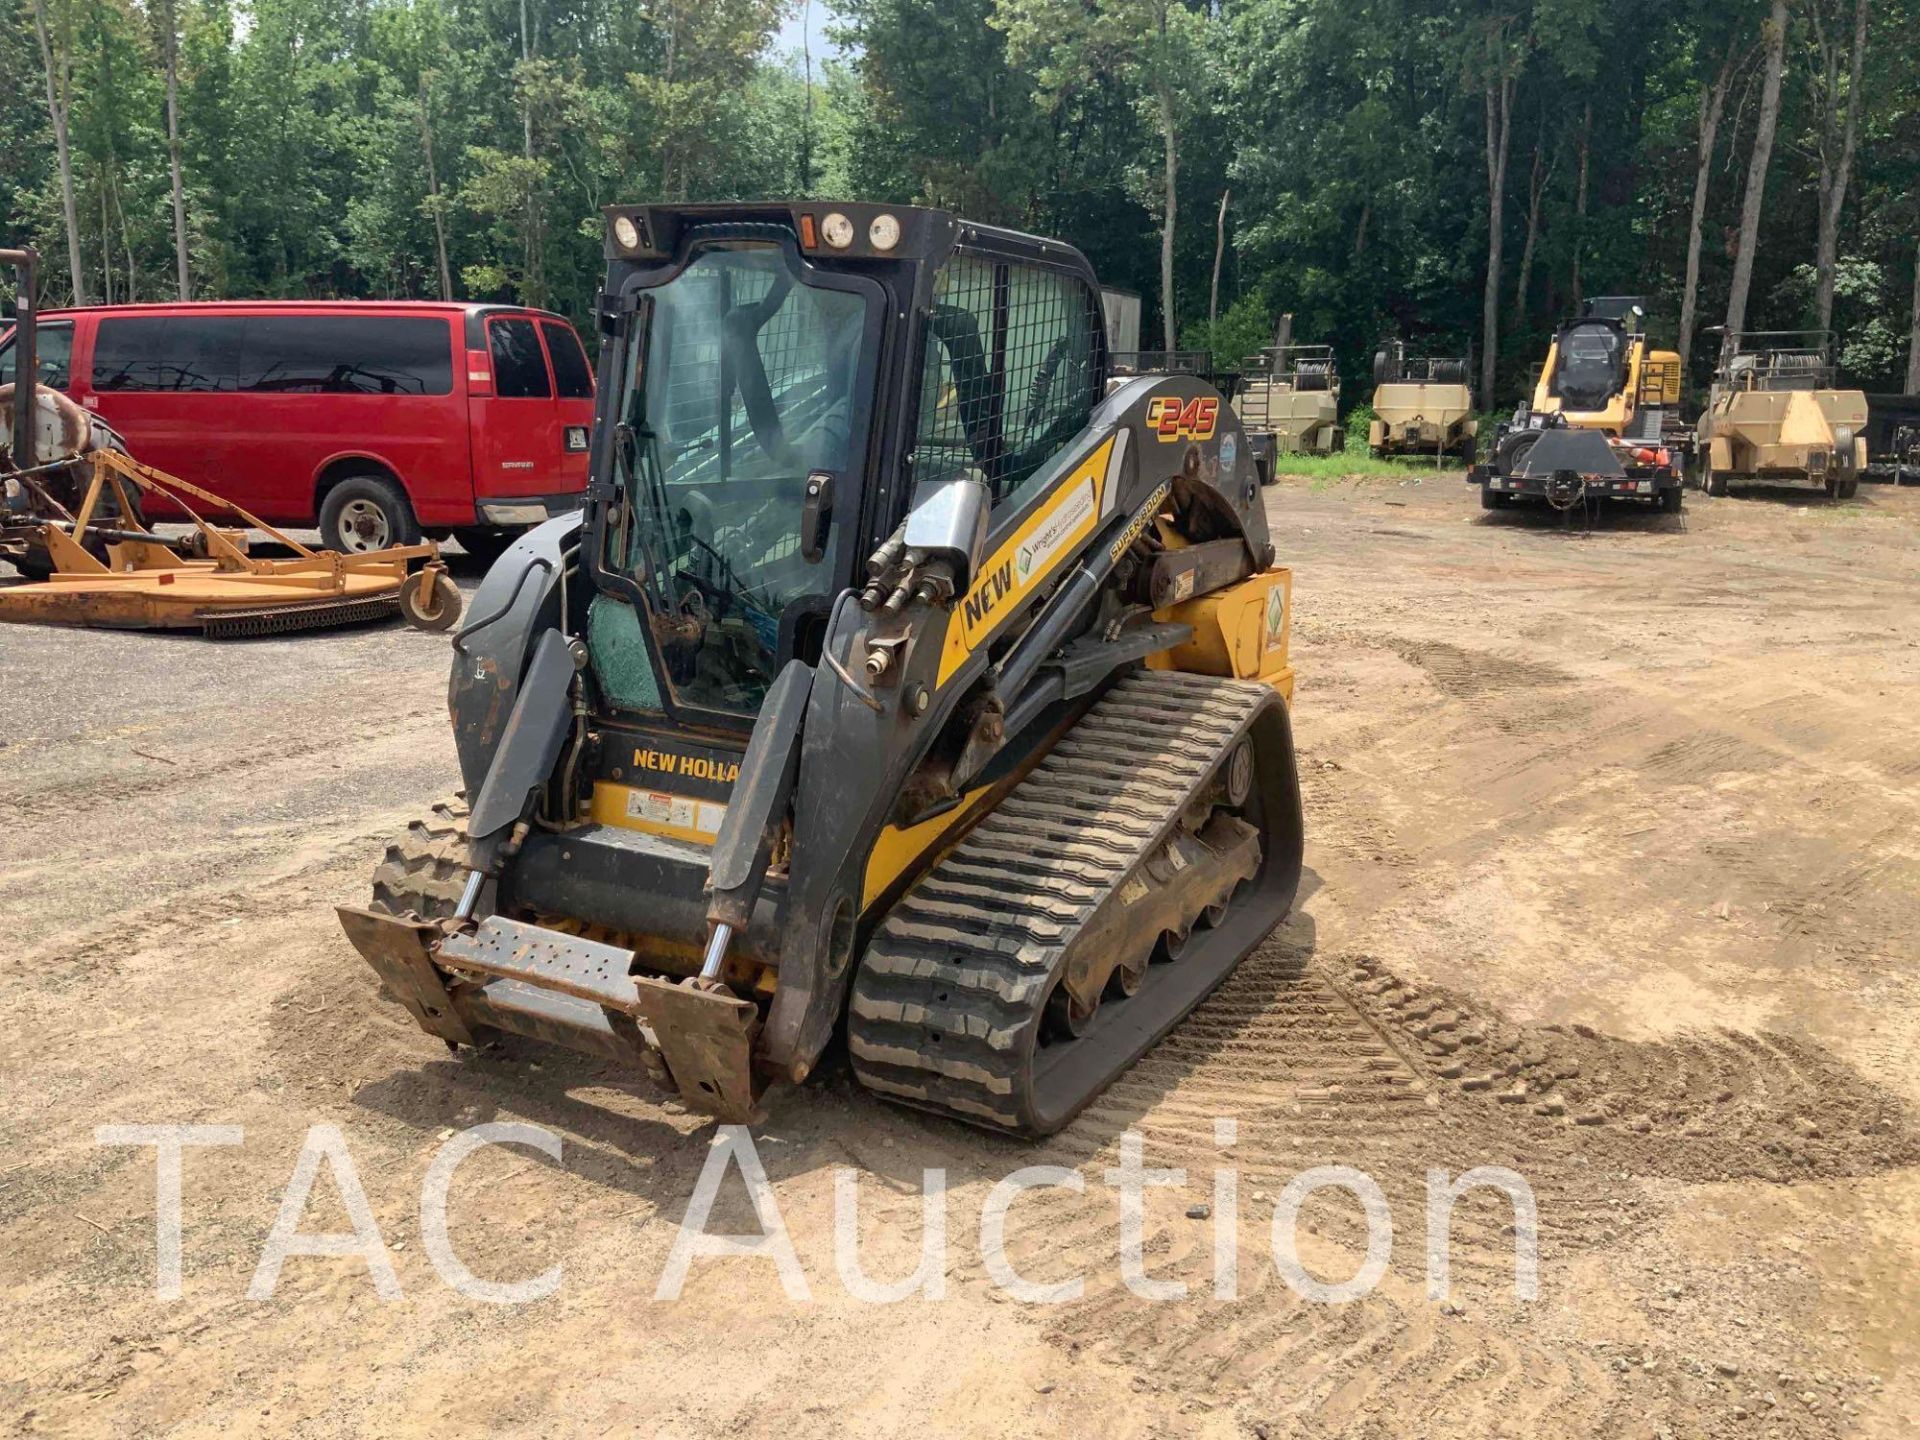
pixel 808 19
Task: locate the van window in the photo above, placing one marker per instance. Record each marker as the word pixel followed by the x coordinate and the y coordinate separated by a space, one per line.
pixel 519 370
pixel 53 344
pixel 571 374
pixel 192 353
pixel 1008 373
pixel 347 355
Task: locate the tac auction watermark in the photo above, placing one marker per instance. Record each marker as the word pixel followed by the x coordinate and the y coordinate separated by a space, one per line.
pixel 733 1151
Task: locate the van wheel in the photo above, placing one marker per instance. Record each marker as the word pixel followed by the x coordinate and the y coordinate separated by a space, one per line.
pixel 366 512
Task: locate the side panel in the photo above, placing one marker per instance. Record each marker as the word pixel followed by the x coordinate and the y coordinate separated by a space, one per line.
pixel 1244 632
pixel 1150 438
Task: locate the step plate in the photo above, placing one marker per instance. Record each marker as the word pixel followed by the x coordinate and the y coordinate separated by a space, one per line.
pixel 514 950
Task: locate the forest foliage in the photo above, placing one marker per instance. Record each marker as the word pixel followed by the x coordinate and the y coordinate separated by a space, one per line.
pixel 1460 173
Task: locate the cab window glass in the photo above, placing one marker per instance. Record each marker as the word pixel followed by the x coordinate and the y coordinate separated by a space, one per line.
pixel 1008 373
pixel 53 344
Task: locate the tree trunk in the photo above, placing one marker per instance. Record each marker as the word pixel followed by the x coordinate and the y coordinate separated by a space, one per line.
pixel 806 119
pixel 1166 223
pixel 1499 98
pixel 1219 250
pixel 1713 103
pixel 58 94
pixel 1913 342
pixel 126 240
pixel 1776 39
pixel 1536 187
pixel 106 248
pixel 536 287
pixel 173 150
pixel 433 191
pixel 1834 176
pixel 666 80
pixel 1580 201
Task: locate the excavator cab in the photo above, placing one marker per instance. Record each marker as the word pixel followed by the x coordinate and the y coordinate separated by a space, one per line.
pixel 900 674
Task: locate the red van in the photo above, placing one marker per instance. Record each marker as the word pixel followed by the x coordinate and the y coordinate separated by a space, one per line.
pixel 376 421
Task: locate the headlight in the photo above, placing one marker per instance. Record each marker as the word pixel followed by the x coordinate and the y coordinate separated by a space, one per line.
pixel 837 230
pixel 625 233
pixel 884 232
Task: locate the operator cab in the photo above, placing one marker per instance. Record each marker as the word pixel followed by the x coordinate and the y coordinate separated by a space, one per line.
pixel 1590 364
pixel 777 381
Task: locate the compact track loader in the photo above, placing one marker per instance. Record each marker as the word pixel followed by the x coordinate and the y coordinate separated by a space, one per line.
pixel 1776 414
pixel 899 674
pixel 1603 423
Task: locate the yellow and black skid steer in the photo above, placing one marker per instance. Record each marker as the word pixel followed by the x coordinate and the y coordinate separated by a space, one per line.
pixel 901 672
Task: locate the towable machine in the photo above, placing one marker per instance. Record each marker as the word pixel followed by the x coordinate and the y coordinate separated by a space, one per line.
pixel 1776 414
pixel 1422 405
pixel 899 671
pixel 1292 392
pixel 1604 422
pixel 71 519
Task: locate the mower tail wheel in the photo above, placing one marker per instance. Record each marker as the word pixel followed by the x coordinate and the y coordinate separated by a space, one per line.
pixel 430 601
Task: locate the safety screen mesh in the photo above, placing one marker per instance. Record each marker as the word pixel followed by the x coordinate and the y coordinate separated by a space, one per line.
pixel 1010 371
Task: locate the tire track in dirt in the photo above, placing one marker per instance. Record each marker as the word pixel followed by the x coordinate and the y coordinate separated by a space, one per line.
pixel 1363 1070
pixel 65 795
pixel 1697 1106
pixel 1310 1079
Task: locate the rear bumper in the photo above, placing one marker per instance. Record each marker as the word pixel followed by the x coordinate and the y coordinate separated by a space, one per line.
pixel 521 511
pixel 1636 484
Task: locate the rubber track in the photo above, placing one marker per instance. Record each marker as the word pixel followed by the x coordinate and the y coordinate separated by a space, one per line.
pixel 423 873
pixel 955 979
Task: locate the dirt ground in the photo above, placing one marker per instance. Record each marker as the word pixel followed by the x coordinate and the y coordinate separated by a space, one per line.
pixel 1613 880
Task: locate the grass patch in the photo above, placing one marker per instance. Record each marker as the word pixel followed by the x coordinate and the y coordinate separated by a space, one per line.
pixel 1354 460
pixel 1358 462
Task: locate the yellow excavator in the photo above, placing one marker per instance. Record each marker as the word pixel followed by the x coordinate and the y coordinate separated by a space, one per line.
pixel 907 676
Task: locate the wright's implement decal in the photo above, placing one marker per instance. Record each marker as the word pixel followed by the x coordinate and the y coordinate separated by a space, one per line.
pixel 1175 419
pixel 1025 559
